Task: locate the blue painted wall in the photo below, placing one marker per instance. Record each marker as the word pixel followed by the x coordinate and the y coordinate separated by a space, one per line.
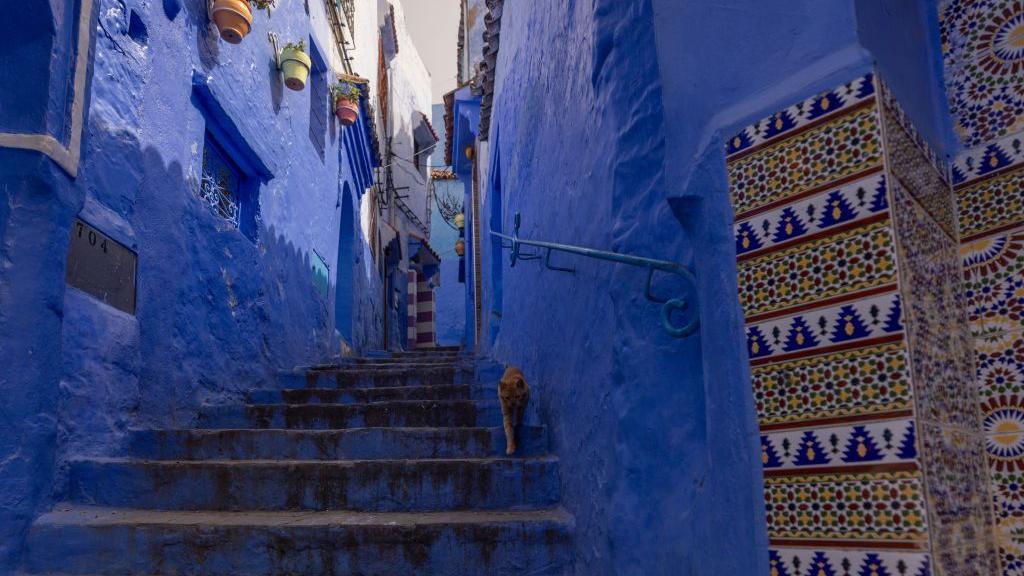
pixel 650 460
pixel 217 312
pixel 903 37
pixel 450 296
pixel 619 146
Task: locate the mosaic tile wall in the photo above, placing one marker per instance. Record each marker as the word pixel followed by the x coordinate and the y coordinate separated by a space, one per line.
pixel 848 273
pixel 983 46
pixel 990 190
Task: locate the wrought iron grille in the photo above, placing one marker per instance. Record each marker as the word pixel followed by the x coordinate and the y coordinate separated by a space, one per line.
pixel 220 185
pixel 348 7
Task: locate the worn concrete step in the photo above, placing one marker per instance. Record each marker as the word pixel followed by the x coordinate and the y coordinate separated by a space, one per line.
pixel 357 443
pixel 406 413
pixel 363 377
pixel 377 485
pixel 395 364
pixel 108 542
pixel 422 359
pixel 357 395
pixel 421 351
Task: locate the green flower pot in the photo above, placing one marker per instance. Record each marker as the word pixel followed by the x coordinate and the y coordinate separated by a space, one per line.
pixel 295 66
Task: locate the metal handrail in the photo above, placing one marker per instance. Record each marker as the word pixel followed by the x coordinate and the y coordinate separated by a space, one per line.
pixel 669 305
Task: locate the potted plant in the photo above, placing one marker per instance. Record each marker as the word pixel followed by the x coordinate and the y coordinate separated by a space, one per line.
pixel 233 19
pixel 346 102
pixel 295 64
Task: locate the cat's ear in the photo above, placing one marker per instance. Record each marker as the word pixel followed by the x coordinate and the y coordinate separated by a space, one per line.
pixel 520 383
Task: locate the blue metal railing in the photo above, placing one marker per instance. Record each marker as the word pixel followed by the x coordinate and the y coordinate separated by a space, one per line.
pixel 669 305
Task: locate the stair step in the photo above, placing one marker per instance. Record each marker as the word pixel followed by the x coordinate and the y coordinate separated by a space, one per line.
pixel 110 541
pixel 409 413
pixel 434 350
pixel 401 360
pixel 356 443
pixel 378 485
pixel 357 395
pixel 365 377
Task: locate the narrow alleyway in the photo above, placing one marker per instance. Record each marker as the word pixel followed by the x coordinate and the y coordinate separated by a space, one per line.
pixel 757 266
pixel 391 464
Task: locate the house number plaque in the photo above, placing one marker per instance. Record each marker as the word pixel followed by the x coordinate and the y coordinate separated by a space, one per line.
pixel 101 267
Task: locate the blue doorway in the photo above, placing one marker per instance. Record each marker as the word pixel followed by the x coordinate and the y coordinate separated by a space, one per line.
pixel 497 266
pixel 343 282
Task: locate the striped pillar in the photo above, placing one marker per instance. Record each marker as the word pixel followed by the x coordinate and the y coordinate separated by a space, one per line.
pixel 424 314
pixel 410 300
pixel 849 277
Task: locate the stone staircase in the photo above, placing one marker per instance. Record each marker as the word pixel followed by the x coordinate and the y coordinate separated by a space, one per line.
pixel 387 465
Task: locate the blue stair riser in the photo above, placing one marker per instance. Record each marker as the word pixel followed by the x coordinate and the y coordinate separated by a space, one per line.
pixel 449 413
pixel 360 443
pixel 359 378
pixel 498 549
pixel 357 395
pixel 371 485
pixel 421 359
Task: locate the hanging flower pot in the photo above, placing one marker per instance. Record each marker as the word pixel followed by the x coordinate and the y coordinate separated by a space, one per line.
pixel 346 102
pixel 295 64
pixel 460 247
pixel 346 111
pixel 460 221
pixel 233 19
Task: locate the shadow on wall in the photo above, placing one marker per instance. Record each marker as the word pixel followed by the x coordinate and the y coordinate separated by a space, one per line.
pixel 216 315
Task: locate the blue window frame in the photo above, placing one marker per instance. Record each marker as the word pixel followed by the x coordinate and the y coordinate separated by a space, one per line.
pixel 226 189
pixel 319 101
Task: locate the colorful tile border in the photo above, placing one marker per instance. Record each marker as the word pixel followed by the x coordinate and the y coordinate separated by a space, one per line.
pixel 999 364
pixel 886 506
pixel 1003 425
pixel 937 327
pixel 828 267
pixel 988 159
pixel 1008 497
pixel 990 205
pixel 994 282
pixel 831 449
pixel 910 166
pixel 862 382
pixel 899 116
pixel 826 562
pixel 1010 535
pixel 829 211
pixel 844 326
pixel 845 147
pixel 817 107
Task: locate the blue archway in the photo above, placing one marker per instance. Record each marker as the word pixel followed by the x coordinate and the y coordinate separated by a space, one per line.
pixel 343 282
pixel 496 200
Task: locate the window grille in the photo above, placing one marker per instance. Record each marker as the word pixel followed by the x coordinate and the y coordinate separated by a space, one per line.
pixel 348 7
pixel 220 186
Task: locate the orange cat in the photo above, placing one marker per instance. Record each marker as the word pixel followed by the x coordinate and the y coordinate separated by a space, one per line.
pixel 514 393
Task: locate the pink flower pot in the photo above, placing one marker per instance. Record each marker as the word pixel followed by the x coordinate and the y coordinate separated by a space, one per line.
pixel 347 111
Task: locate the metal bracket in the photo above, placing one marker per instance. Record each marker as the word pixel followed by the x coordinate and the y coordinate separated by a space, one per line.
pixel 277 53
pixel 550 266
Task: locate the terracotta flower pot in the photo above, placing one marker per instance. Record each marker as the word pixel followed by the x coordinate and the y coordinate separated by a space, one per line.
pixel 233 18
pixel 460 247
pixel 295 65
pixel 347 111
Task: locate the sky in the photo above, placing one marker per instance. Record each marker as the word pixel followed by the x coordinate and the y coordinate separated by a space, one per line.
pixel 434 27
